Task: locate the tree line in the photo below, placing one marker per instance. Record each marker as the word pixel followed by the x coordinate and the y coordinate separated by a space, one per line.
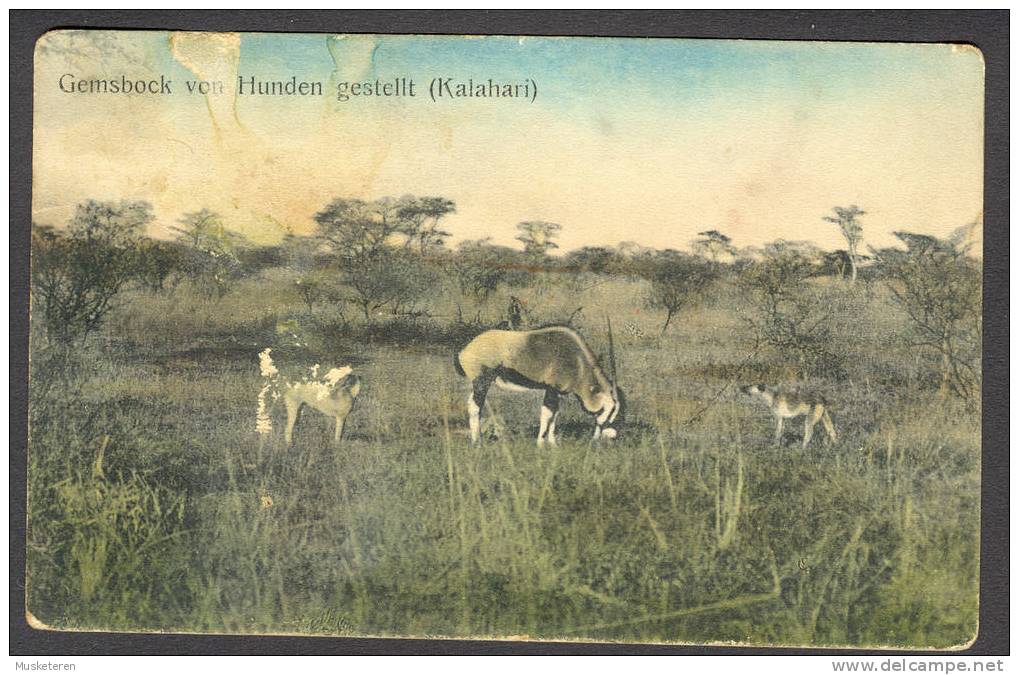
pixel 382 257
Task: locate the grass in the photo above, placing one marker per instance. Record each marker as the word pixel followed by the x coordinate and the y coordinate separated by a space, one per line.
pixel 692 528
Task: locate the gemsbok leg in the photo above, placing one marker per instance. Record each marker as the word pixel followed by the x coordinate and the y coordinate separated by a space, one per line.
pixel 551 426
pixel 475 402
pixel 549 413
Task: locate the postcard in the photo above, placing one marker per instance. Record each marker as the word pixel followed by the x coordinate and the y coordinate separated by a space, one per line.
pixel 497 337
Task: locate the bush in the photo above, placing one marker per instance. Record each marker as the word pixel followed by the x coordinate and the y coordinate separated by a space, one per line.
pixel 677 280
pixel 478 270
pixel 77 274
pixel 211 256
pixel 939 288
pixel 158 263
pixel 393 279
pixel 787 313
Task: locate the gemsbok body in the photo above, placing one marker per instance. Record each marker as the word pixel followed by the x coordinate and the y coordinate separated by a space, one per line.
pixel 555 360
pixel 331 394
pixel 787 405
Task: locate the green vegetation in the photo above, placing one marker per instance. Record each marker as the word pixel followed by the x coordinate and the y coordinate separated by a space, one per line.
pixel 154 504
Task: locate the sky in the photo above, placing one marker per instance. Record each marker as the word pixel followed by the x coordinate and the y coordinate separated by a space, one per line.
pixel 627 139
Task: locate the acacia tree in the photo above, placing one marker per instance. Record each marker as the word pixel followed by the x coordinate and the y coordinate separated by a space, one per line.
pixel 211 257
pixel 420 217
pixel 393 279
pixel 712 244
pixel 158 263
pixel 785 311
pixel 848 221
pixel 359 230
pixel 372 241
pixel 939 287
pixel 677 280
pixel 77 273
pixel 314 287
pixel 538 237
pixel 595 259
pixel 478 269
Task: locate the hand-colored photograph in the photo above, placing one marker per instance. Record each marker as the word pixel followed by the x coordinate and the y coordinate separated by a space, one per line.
pixel 661 341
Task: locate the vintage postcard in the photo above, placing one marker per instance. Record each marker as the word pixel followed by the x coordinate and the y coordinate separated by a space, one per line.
pixel 564 339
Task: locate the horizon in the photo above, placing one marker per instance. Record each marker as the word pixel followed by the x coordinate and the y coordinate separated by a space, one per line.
pixel 968 235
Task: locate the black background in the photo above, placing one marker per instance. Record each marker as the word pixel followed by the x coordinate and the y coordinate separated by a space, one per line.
pixel 987 30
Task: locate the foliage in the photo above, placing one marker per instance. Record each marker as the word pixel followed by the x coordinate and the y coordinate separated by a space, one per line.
pixel 788 313
pixel 538 238
pixel 380 245
pixel 421 218
pixel 939 288
pixel 838 263
pixel 299 252
pixel 153 505
pixel 697 534
pixel 211 259
pixel 714 245
pixel 678 280
pixel 76 274
pixel 478 269
pixel 315 287
pixel 848 221
pixel 254 259
pixel 357 229
pixel 116 543
pixel 593 259
pixel 159 263
pixel 391 279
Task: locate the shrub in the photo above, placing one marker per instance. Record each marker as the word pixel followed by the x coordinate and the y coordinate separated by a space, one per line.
pixel 478 270
pixel 677 280
pixel 76 274
pixel 939 288
pixel 393 279
pixel 788 313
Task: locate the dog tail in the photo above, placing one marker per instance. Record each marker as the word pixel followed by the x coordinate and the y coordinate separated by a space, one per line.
pixel 458 366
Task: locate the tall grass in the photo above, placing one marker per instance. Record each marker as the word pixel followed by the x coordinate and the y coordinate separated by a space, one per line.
pixel 154 506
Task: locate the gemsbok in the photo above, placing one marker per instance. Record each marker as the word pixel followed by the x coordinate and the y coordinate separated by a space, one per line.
pixel 555 360
pixel 332 394
pixel 786 405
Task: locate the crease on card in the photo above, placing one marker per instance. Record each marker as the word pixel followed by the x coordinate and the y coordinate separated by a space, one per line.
pixel 354 60
pixel 212 57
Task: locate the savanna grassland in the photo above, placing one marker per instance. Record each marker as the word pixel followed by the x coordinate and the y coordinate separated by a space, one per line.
pixel 155 505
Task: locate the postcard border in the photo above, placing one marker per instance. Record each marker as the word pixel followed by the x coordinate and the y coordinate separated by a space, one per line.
pixel 986 30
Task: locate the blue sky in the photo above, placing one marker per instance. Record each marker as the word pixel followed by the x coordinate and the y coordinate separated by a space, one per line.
pixel 644 139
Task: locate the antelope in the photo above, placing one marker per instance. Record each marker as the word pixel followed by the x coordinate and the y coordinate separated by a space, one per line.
pixel 555 360
pixel 785 405
pixel 332 394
